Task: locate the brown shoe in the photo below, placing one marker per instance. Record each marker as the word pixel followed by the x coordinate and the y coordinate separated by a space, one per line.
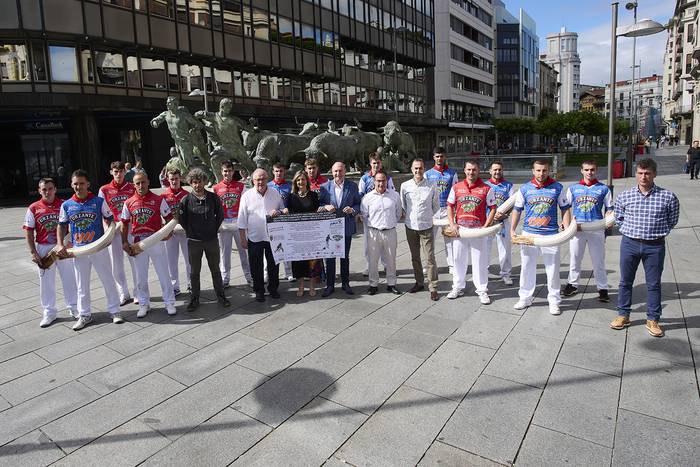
pixel 416 288
pixel 434 296
pixel 621 322
pixel 654 328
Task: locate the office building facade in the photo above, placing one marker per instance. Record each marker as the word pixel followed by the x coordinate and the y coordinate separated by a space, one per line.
pixel 562 55
pixel 81 79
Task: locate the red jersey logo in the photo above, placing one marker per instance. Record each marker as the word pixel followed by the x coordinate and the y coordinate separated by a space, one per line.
pixel 116 195
pixel 470 203
pixel 230 194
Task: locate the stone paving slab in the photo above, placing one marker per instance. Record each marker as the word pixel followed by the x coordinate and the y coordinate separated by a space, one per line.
pixel 359 380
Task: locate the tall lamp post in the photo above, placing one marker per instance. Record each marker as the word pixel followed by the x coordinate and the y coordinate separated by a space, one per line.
pixel 641 28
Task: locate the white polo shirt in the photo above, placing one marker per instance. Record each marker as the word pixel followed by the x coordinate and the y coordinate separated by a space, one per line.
pixel 253 210
pixel 420 202
pixel 381 211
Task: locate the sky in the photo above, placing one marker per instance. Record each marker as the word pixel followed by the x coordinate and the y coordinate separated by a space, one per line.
pixel 591 19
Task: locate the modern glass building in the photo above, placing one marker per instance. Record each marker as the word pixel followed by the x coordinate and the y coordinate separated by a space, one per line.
pixel 81 79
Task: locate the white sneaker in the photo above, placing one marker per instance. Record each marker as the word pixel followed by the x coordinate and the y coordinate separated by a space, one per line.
pixel 171 310
pixel 291 279
pixel 47 320
pixel 507 280
pixel 454 293
pixel 143 310
pixel 554 309
pixel 523 303
pixel 484 298
pixel 74 313
pixel 82 322
pixel 117 318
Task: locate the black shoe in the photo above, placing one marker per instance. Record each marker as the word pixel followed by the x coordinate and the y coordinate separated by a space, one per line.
pixel 603 296
pixel 193 305
pixel 327 291
pixel 259 297
pixel 348 289
pixel 274 294
pixel 372 291
pixel 570 290
pixel 393 289
pixel 223 301
pixel 416 288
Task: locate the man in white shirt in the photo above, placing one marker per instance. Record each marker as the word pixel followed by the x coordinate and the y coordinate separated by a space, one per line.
pixel 420 201
pixel 381 210
pixel 256 205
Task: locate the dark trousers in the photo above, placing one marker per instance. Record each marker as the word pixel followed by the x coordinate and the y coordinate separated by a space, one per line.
pixel 652 257
pixel 694 166
pixel 211 249
pixel 344 266
pixel 256 251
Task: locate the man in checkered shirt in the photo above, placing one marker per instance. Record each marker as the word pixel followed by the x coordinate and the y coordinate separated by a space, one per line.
pixel 645 215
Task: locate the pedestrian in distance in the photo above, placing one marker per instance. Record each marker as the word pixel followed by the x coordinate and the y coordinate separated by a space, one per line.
pixel 420 201
pixel 40 223
pixel 381 211
pixel 84 217
pixel 142 216
pixel 256 205
pixel 201 215
pixel 692 158
pixel 537 202
pixel 645 215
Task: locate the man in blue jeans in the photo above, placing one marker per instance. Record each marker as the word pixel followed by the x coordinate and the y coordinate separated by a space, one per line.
pixel 645 215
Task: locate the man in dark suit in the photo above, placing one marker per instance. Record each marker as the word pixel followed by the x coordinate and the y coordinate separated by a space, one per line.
pixel 340 195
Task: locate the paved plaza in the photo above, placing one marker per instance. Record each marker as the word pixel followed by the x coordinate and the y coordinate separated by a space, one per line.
pixel 362 380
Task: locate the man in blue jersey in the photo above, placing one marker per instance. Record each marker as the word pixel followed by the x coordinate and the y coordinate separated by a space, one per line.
pixel 587 199
pixel 503 189
pixel 283 187
pixel 366 185
pixel 539 198
pixel 444 179
pixel 82 214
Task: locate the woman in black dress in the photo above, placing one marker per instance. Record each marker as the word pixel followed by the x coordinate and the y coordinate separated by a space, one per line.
pixel 302 199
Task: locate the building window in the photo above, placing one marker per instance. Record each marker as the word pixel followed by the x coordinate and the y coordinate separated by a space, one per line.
pixel 190 77
pixel 133 79
pixel 153 71
pixel 199 12
pixel 223 82
pixel 14 62
pixel 161 7
pixel 110 68
pixel 233 16
pixel 470 84
pixel 64 66
pixel 39 61
pixel 469 32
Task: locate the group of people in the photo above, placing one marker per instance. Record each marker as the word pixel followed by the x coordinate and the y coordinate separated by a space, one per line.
pixel 212 220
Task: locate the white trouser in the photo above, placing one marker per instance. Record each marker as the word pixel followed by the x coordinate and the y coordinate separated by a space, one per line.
pixel 596 247
pixel 117 254
pixel 367 241
pixel 504 249
pixel 382 244
pixel 158 257
pixel 463 248
pixel 437 231
pixel 175 244
pixel 225 237
pixel 103 267
pixel 47 282
pixel 528 271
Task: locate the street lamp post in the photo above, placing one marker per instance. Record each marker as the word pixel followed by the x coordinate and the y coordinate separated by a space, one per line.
pixel 641 28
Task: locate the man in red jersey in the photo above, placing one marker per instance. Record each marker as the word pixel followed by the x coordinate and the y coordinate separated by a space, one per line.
pixel 230 192
pixel 115 193
pixel 315 179
pixel 143 214
pixel 466 207
pixel 173 194
pixel 41 221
